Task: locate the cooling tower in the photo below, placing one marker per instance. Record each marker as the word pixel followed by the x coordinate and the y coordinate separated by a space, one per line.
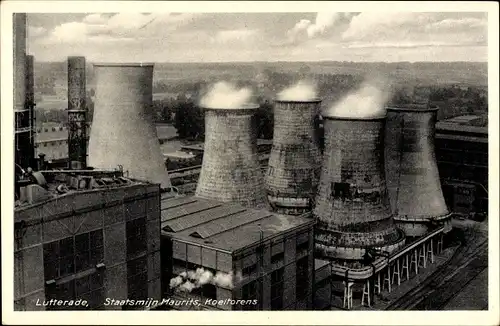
pixel 77 113
pixel 412 174
pixel 230 170
pixel 24 147
pixel 123 133
pixel 295 161
pixel 352 205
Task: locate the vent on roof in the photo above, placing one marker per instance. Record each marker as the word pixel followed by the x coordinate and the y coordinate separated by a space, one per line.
pixel 196 235
pixel 168 229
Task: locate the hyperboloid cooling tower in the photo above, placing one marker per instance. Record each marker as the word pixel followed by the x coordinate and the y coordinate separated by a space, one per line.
pixel 77 113
pixel 123 132
pixel 295 161
pixel 411 169
pixel 230 170
pixel 352 205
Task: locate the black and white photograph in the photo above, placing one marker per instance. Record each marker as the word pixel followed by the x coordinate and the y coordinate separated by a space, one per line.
pixel 295 157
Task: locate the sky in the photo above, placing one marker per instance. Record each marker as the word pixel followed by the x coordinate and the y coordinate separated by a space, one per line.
pixel 226 37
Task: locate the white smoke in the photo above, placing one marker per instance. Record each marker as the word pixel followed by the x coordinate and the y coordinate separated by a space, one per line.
pixel 187 286
pixel 368 101
pixel 224 95
pixel 188 281
pixel 302 91
pixel 176 281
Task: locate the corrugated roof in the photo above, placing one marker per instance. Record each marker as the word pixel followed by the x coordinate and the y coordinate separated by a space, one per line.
pixel 460 128
pixel 200 218
pixel 229 223
pixel 227 226
pixel 187 209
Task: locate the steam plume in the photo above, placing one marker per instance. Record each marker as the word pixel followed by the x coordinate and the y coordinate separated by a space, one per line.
pixel 368 101
pixel 188 281
pixel 223 95
pixel 302 91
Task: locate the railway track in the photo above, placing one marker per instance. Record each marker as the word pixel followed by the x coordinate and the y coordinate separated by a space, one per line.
pixel 462 267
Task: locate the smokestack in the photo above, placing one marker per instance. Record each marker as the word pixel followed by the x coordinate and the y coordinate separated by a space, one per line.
pixel 123 132
pixel 230 170
pixel 411 169
pixel 24 147
pixel 295 160
pixel 77 113
pixel 352 205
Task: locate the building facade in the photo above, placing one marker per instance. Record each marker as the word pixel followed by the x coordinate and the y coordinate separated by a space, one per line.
pixel 462 156
pixel 100 240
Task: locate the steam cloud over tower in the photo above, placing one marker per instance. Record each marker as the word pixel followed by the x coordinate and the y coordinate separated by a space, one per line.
pixel 295 160
pixel 77 113
pixel 352 204
pixel 411 168
pixel 230 170
pixel 123 132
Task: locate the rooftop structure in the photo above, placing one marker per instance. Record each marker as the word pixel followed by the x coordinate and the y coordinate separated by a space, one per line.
pixel 260 252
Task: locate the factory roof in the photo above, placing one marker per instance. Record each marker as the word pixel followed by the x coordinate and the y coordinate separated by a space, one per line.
pixel 225 226
pixel 45 186
pixel 466 124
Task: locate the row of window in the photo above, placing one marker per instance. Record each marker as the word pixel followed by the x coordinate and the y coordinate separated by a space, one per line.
pixel 70 266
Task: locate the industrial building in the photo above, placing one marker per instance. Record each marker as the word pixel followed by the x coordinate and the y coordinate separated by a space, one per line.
pixel 85 235
pixel 363 213
pixel 462 158
pixel 265 256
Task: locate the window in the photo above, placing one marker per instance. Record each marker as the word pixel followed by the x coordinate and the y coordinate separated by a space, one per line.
pixel 89 288
pixel 137 278
pixel 136 236
pixel 72 255
pixel 44 144
pixel 302 278
pixel 277 289
pixel 304 246
pixel 249 270
pixel 249 292
pixel 276 258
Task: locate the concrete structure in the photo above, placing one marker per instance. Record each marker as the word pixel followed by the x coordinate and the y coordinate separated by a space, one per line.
pixel 77 113
pixel 23 110
pixel 86 235
pixel 295 161
pixel 352 205
pixel 230 170
pixel 462 158
pixel 123 133
pixel 266 257
pixel 411 170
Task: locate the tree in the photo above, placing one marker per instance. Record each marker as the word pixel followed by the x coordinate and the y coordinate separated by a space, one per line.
pixel 265 119
pixel 189 120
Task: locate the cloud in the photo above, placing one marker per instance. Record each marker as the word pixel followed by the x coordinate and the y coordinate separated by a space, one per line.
pixel 232 36
pixel 325 23
pixel 36 31
pixel 430 29
pixel 121 26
